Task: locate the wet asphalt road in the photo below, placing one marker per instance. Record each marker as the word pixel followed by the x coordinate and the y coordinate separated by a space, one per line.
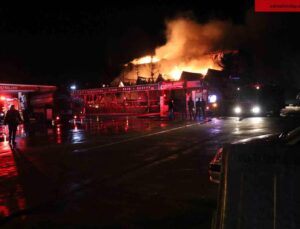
pixel 124 172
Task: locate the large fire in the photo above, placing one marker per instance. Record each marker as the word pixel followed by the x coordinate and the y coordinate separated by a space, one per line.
pixel 145 60
pixel 171 70
pixel 189 48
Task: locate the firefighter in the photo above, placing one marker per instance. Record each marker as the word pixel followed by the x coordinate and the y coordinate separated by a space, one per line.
pixel 12 119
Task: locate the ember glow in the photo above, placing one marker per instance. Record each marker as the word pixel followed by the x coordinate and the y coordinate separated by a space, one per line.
pixel 190 47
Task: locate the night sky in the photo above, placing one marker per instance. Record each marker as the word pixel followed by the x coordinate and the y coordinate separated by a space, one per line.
pixel 55 44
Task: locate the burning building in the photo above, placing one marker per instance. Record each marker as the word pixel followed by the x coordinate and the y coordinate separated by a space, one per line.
pixel 176 70
pixel 190 47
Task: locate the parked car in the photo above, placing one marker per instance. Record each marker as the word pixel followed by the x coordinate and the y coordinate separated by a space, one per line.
pixel 271 140
pixel 290 110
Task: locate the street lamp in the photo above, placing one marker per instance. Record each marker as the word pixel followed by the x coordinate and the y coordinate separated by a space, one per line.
pixel 73 87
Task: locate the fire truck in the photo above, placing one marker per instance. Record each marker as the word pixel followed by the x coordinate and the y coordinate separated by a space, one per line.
pixel 5 103
pixel 55 107
pixel 36 103
pixel 258 99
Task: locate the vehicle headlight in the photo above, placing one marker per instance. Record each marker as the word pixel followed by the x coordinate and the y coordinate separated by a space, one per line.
pixel 212 98
pixel 237 110
pixel 255 109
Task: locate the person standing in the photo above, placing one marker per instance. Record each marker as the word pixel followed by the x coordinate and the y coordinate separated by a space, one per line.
pixel 12 119
pixel 171 109
pixel 191 107
pixel 198 108
pixel 203 108
pixel 181 106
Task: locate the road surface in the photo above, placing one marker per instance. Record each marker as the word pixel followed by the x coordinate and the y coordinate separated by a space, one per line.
pixel 124 172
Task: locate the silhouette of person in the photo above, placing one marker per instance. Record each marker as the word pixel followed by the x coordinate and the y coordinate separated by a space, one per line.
pixel 198 108
pixel 181 106
pixel 171 109
pixel 12 119
pixel 191 108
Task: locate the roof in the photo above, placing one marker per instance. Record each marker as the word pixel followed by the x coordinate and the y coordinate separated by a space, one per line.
pixel 25 88
pixel 190 76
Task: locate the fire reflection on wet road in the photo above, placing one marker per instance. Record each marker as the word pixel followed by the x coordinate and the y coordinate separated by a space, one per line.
pixel 12 197
pixel 98 157
pixel 11 192
pixel 79 131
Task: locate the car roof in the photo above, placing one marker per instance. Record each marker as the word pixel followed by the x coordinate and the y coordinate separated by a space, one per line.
pixel 293 136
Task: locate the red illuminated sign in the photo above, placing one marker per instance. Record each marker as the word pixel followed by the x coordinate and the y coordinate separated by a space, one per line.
pixel 24 87
pixel 172 85
pixel 193 84
pixel 277 5
pixel 149 87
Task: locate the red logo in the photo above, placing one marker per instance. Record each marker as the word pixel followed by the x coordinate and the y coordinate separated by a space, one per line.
pixel 277 5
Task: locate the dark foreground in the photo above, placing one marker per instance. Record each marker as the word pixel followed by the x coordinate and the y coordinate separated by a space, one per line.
pixel 118 173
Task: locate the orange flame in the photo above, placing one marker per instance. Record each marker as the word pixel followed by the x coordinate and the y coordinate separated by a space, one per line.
pixel 175 73
pixel 188 49
pixel 145 60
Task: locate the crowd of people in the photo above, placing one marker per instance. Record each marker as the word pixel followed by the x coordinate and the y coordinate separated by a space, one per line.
pixel 189 110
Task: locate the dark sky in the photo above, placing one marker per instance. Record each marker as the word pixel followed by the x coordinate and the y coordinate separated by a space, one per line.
pixel 87 44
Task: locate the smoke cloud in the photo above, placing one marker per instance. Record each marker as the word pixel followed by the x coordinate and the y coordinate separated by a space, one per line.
pixel 190 46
